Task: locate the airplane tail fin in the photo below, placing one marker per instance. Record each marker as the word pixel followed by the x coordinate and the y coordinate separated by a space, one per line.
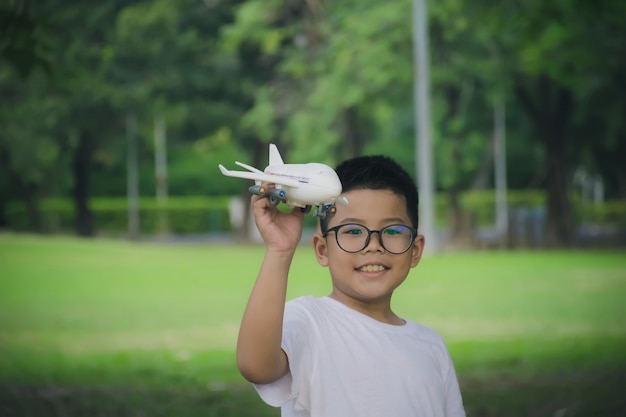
pixel 275 158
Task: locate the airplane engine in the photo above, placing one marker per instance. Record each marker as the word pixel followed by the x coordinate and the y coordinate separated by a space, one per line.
pixel 258 190
pixel 276 196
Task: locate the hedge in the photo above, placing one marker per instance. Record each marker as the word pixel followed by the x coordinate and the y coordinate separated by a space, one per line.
pixel 201 214
pixel 610 212
pixel 481 204
pixel 186 215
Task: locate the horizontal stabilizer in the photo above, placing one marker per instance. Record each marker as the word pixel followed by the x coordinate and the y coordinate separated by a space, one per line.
pixel 224 170
pixel 248 167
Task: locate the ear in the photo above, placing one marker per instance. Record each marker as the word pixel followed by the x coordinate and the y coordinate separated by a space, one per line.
pixel 418 249
pixel 320 248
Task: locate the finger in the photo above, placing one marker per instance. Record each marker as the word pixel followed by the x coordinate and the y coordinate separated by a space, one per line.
pixel 259 202
pixel 254 198
pixel 297 211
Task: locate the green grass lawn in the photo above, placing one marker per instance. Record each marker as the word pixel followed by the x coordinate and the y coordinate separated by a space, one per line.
pixel 112 328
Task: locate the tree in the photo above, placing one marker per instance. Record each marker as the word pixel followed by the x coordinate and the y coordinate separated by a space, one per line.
pixel 79 62
pixel 338 70
pixel 31 153
pixel 23 51
pixel 467 80
pixel 557 54
pixel 115 58
pixel 325 80
pixel 23 42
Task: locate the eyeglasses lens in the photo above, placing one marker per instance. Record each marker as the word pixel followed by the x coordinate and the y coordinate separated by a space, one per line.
pixel 354 238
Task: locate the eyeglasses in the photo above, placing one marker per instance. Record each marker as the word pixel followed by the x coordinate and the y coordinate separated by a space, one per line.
pixel 395 238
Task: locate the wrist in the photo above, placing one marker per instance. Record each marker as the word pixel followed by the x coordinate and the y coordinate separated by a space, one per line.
pixel 280 254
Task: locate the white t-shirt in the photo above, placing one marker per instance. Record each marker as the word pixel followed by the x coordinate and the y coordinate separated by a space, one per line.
pixel 344 363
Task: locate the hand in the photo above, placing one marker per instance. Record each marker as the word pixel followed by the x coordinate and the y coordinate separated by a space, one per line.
pixel 280 231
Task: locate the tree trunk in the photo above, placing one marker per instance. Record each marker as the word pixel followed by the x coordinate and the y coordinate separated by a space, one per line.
pixel 353 140
pixel 28 194
pixel 457 226
pixel 481 179
pixel 620 151
pixel 456 108
pixel 83 217
pixel 550 108
pixel 559 223
pixel 455 213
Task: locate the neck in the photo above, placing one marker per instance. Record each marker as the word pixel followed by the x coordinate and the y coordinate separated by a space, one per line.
pixel 378 310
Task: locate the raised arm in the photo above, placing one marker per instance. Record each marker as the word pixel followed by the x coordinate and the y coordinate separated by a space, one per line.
pixel 259 354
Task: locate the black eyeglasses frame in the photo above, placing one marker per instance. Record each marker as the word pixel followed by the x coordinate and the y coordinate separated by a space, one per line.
pixel 413 231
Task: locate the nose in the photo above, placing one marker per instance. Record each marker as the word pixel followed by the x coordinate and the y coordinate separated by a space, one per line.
pixel 374 245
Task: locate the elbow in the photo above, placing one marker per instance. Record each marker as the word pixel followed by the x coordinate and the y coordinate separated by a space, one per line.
pixel 252 376
pixel 258 373
pixel 246 370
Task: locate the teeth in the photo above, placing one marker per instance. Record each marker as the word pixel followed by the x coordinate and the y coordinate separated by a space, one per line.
pixel 372 268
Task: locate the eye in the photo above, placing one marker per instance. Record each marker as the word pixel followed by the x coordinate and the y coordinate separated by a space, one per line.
pixel 395 230
pixel 352 230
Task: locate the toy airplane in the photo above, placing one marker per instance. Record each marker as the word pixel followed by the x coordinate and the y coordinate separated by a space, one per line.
pixel 297 185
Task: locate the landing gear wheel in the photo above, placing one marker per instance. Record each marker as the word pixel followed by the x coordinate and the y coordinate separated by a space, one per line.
pixel 320 212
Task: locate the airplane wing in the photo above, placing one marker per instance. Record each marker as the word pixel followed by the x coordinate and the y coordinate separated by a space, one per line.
pixel 261 176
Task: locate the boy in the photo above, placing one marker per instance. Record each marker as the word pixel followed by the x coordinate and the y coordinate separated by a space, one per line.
pixel 347 354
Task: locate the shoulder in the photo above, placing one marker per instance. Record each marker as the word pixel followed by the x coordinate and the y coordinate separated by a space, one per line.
pixel 304 306
pixel 306 313
pixel 302 320
pixel 303 301
pixel 425 333
pixel 426 339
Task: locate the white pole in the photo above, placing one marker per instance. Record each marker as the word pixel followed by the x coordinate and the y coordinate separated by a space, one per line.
pixel 598 190
pixel 160 163
pixel 423 158
pixel 132 178
pixel 502 216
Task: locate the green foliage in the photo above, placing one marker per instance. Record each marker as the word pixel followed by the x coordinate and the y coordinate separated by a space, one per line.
pixel 324 81
pixel 192 169
pixel 348 58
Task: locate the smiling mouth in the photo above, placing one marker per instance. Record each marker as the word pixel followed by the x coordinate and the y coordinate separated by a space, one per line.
pixel 372 268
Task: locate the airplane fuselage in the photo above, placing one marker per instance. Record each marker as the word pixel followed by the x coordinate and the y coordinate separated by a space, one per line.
pixel 297 185
pixel 320 184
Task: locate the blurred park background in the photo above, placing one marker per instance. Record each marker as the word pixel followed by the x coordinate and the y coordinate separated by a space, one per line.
pixel 124 263
pixel 145 98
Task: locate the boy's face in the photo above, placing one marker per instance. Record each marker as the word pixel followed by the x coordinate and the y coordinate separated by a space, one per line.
pixel 369 275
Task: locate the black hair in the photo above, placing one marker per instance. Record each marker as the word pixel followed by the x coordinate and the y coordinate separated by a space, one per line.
pixel 378 172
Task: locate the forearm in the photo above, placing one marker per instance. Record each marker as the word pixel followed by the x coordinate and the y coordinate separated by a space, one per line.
pixel 259 354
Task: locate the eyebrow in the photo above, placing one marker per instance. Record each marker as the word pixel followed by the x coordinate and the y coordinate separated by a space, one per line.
pixel 390 220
